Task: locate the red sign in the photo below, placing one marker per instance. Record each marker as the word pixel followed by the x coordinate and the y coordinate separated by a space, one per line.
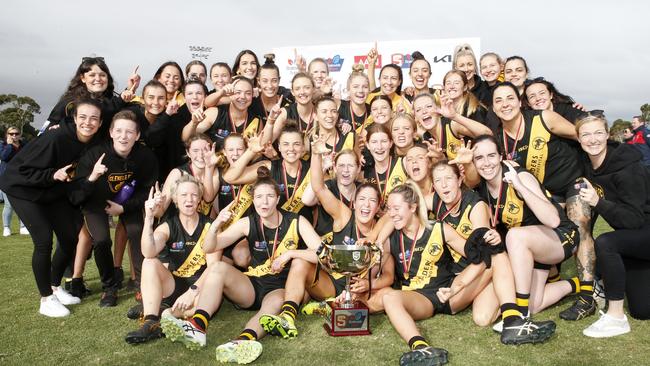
pixel 364 60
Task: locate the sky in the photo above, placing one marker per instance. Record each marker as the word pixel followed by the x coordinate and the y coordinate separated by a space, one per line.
pixel 598 52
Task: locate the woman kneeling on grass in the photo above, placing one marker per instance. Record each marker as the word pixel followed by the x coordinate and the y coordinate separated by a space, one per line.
pixel 618 189
pixel 176 277
pixel 275 239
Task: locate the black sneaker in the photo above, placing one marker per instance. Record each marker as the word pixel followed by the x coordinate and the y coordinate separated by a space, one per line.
pixel 135 312
pixel 118 277
pixel 580 309
pixel 427 356
pixel 131 285
pixel 78 288
pixel 149 330
pixel 523 330
pixel 109 298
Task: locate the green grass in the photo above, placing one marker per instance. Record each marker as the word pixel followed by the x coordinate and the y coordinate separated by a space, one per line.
pixel 96 336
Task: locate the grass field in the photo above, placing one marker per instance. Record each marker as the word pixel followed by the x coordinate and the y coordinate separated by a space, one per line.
pixel 95 336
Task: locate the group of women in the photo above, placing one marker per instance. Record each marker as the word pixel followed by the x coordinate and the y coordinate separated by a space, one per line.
pixel 475 191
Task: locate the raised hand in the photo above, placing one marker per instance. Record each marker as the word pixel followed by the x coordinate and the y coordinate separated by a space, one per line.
pixel 372 55
pixel 172 105
pixel 198 115
pixel 254 143
pixel 300 61
pixel 61 175
pixel 464 153
pixel 229 89
pixel 275 111
pixel 318 145
pixel 210 155
pixel 511 176
pixel 446 108
pixel 434 151
pixel 154 201
pixel 327 85
pixel 98 169
pixel 134 80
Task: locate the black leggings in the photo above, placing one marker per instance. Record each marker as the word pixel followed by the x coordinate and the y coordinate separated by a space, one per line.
pixel 43 219
pixel 97 224
pixel 623 261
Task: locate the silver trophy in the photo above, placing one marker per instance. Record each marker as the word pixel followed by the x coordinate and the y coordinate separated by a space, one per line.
pixel 348 317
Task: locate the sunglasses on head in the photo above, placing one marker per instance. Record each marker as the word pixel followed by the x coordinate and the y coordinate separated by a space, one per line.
pixel 533 81
pixel 599 113
pixel 91 59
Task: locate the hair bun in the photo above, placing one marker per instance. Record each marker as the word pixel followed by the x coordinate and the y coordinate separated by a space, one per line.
pixel 417 55
pixel 358 68
pixel 269 58
pixel 263 172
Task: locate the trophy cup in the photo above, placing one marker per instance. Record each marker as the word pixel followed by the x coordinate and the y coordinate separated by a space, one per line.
pixel 349 317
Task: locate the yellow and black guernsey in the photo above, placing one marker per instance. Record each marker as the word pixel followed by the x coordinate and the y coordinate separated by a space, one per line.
pixel 548 157
pixel 292 188
pixel 347 115
pixel 266 244
pixel 184 251
pixel 343 141
pixel 386 182
pixel 448 141
pixel 460 222
pixel 422 265
pixel 511 210
pixel 230 192
pixel 292 114
pixel 224 125
pixel 325 222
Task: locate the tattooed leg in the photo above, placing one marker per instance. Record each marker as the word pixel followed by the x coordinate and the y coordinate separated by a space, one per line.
pixel 579 212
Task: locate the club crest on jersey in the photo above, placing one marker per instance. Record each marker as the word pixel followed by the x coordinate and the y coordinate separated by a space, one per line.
pixel 539 143
pixel 260 245
pixel 466 229
pixel 513 208
pixel 435 249
pixel 178 246
pixel 291 244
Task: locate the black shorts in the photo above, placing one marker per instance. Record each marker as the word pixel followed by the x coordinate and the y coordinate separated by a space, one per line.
pixel 569 237
pixel 181 285
pixel 430 293
pixel 261 288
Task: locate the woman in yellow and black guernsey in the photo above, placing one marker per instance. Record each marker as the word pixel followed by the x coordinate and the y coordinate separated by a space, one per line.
pixel 234 117
pixel 275 237
pixel 537 141
pixel 291 172
pixel 460 115
pixel 356 111
pixel 386 171
pixel 537 232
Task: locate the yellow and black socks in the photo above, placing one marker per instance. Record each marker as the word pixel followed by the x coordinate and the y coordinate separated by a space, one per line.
pixel 289 308
pixel 575 285
pixel 418 342
pixel 247 335
pixel 522 303
pixel 553 278
pixel 200 319
pixel 586 291
pixel 509 313
pixel 155 318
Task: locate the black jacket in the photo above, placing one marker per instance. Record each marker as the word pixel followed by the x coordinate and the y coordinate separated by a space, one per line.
pixel 140 165
pixel 30 174
pixel 110 105
pixel 625 184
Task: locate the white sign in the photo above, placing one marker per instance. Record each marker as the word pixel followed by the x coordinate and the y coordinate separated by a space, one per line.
pixel 341 57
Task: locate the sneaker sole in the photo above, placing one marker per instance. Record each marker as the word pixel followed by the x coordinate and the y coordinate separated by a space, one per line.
pixel 173 330
pixel 600 335
pixel 273 327
pixel 139 340
pixel 417 360
pixel 243 354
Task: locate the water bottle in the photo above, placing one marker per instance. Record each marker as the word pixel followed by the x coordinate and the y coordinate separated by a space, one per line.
pixel 125 193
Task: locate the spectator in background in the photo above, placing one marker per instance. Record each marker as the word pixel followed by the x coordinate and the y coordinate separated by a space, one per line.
pixel 8 148
pixel 627 133
pixel 641 138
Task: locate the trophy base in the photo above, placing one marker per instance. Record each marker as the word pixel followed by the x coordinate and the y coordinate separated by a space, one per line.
pixel 353 321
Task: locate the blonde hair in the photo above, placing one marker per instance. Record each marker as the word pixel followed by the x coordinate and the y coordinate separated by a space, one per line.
pixel 185 178
pixel 464 50
pixel 590 118
pixel 412 195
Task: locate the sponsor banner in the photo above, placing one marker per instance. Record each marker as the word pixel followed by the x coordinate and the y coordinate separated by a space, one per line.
pixel 341 57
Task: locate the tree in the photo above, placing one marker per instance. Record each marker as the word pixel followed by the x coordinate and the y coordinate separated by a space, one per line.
pixel 18 112
pixel 616 131
pixel 645 112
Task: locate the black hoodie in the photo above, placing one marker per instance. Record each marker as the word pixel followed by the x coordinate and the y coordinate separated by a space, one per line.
pixel 140 165
pixel 30 174
pixel 625 184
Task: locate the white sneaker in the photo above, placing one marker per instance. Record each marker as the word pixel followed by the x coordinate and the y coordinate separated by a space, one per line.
pixel 607 326
pixel 599 294
pixel 52 307
pixel 6 231
pixel 64 296
pixel 498 326
pixel 24 231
